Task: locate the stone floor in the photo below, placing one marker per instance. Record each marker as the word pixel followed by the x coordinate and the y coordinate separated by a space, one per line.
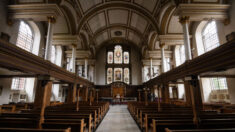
pixel 118 119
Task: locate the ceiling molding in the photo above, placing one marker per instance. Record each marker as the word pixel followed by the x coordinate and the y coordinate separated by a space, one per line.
pixel 36 12
pixel 199 12
pixel 172 39
pixel 80 54
pixel 101 30
pixel 65 40
pixel 155 62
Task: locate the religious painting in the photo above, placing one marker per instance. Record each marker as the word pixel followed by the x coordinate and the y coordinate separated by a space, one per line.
pixel 117 74
pixel 126 75
pixel 126 57
pixel 118 54
pixel 110 57
pixel 109 75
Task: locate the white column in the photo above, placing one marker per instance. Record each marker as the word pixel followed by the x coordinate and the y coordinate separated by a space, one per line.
pixel 86 64
pixel 163 58
pixel 74 52
pixel 151 68
pixel 51 21
pixel 185 21
pixel 143 80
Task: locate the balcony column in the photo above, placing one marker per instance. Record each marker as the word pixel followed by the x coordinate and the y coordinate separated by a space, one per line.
pixel 151 68
pixel 86 67
pixel 163 57
pixel 74 52
pixel 51 21
pixel 184 20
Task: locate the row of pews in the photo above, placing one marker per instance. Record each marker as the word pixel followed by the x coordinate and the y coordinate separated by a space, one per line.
pixel 59 118
pixel 174 118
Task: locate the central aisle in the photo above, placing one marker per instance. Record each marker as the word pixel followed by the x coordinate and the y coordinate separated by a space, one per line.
pixel 118 119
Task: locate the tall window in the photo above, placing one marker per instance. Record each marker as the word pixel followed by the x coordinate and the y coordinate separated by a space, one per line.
pixel 211 41
pixel 24 41
pixel 210 36
pixel 218 83
pixel 118 65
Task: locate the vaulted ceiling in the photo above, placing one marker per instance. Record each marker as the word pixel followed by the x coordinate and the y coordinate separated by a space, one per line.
pixel 131 20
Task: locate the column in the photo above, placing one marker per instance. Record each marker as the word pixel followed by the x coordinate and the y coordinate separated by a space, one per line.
pixel 86 94
pixel 158 99
pixel 78 94
pixel 51 21
pixel 151 68
pixel 74 52
pixel 71 98
pixel 196 97
pixel 165 93
pixel 86 65
pixel 184 20
pixel 163 57
pixel 42 96
pixel 143 80
pixel 146 96
pixel 187 93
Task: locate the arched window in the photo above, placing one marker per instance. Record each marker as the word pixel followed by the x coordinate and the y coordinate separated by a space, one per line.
pixel 118 65
pixel 210 36
pixel 24 41
pixel 210 41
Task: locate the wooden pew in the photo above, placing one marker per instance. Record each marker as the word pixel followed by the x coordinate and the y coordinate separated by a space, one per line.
pixel 33 130
pixel 202 130
pixel 71 116
pixel 76 125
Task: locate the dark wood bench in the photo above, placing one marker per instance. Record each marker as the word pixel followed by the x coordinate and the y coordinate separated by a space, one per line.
pixel 33 130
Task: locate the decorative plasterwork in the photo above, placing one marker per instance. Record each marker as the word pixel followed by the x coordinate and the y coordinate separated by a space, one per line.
pixel 157 54
pixel 199 12
pixel 36 12
pixel 155 62
pixel 65 40
pixel 81 54
pixel 172 39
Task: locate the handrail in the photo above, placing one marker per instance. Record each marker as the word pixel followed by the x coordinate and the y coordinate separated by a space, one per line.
pixel 15 58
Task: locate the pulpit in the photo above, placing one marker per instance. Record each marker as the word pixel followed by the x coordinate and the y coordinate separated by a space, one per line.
pixel 118 91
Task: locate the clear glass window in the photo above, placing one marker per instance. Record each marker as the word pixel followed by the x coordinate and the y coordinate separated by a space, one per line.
pixel 210 36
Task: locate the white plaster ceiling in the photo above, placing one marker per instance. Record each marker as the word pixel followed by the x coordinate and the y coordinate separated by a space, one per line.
pixel 97 21
pixel 148 4
pixel 118 16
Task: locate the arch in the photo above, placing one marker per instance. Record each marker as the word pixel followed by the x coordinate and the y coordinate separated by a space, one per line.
pixel 37 37
pixel 166 19
pixel 115 4
pixel 198 37
pixel 85 39
pixel 152 40
pixel 70 15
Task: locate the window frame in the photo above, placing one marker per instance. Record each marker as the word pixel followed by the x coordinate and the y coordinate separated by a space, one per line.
pixel 115 65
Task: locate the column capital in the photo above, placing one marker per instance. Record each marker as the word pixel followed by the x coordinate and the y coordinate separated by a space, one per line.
pixel 162 45
pixel 184 19
pixel 74 45
pixel 51 19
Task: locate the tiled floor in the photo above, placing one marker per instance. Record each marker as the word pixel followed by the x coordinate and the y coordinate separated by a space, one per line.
pixel 118 119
